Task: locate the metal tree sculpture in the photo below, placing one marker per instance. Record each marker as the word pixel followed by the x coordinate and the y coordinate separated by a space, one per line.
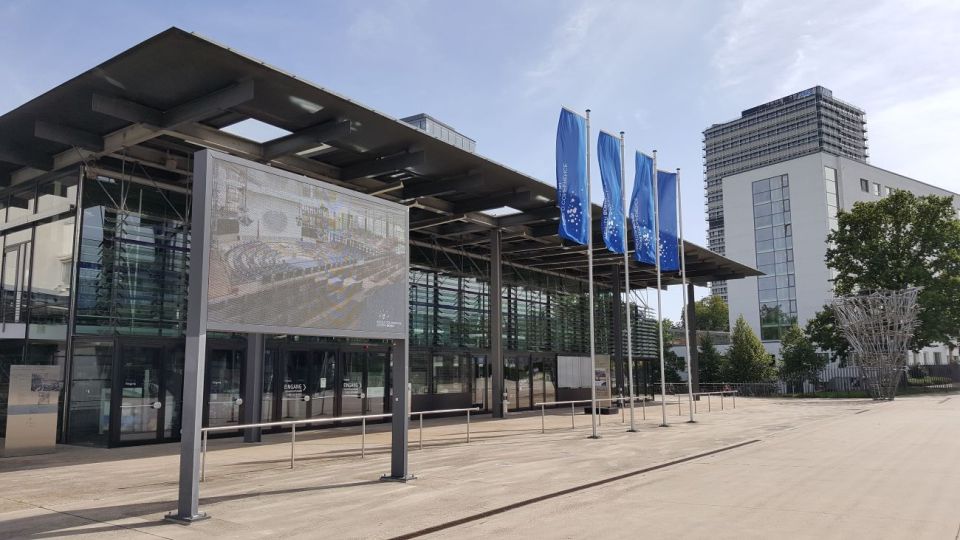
pixel 879 326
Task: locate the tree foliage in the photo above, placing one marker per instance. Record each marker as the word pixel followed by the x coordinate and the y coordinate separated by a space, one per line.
pixel 711 362
pixel 903 241
pixel 824 332
pixel 747 360
pixel 712 313
pixel 799 360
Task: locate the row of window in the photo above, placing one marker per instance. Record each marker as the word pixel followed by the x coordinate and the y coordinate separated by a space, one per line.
pixel 875 188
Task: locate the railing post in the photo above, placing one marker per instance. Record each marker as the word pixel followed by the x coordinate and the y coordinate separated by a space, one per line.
pixel 293 443
pixel 734 394
pixel 573 416
pixel 622 411
pixel 679 409
pixel 203 458
pixel 709 408
pixel 695 404
pixel 363 438
pixel 421 430
pixel 543 415
pixel 468 426
pixel 721 401
pixel 643 406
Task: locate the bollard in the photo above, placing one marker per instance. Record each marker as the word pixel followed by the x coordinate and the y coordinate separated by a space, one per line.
pixel 203 459
pixel 734 394
pixel 363 438
pixel 622 411
pixel 468 425
pixel 709 408
pixel 293 443
pixel 573 417
pixel 721 401
pixel 679 410
pixel 643 406
pixel 543 413
pixel 421 431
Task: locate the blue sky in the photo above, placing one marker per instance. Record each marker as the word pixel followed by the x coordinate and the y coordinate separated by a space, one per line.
pixel 499 70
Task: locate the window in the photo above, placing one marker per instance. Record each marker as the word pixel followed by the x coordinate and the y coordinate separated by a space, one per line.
pixel 876 189
pixel 887 191
pixel 773 234
pixel 937 358
pixel 864 185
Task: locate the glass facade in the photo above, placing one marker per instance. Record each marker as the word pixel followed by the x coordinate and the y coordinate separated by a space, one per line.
pixel 774 247
pixel 130 276
pixel 35 275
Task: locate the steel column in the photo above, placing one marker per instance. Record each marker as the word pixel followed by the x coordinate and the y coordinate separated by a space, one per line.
pixel 496 325
pixel 253 386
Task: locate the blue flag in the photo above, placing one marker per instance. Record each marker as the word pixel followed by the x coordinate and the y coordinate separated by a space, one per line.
pixel 669 246
pixel 608 154
pixel 641 211
pixel 572 196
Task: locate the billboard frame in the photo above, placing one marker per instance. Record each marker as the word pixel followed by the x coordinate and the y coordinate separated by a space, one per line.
pixel 197 326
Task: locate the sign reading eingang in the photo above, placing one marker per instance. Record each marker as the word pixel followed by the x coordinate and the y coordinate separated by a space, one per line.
pixel 288 254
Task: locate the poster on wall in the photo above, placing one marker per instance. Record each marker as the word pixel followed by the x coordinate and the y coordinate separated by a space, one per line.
pixel 295 255
pixel 32 405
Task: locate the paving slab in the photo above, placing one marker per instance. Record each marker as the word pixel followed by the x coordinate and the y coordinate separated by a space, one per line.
pixel 824 468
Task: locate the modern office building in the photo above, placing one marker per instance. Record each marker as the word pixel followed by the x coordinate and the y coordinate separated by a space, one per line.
pixel 95 216
pixel 808 122
pixel 779 215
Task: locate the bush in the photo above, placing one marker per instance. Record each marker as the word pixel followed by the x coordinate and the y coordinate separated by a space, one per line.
pixel 927 381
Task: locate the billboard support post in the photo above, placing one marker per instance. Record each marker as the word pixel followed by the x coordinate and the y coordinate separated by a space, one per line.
pixel 400 407
pixel 191 418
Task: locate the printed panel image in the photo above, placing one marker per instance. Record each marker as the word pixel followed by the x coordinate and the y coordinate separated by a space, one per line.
pixel 292 253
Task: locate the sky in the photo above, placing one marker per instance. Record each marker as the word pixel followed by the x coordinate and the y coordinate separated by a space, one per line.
pixel 499 70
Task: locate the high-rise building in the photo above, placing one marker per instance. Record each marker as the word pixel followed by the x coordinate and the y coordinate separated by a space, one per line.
pixel 804 123
pixel 776 179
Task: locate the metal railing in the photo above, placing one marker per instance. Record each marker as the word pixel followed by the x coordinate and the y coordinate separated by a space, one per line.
pixel 573 414
pixel 721 393
pixel 294 423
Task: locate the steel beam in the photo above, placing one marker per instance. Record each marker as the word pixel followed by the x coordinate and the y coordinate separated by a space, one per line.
pixel 68 136
pixel 490 202
pixel 383 165
pixel 306 138
pixel 209 105
pixel 33 160
pixel 442 186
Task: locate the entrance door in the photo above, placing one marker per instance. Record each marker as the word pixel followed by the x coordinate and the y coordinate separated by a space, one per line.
pixel 364 381
pixel 149 387
pixel 524 383
pixel 224 373
pixel 481 383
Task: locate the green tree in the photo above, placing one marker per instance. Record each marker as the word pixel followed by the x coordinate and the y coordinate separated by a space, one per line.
pixel 823 331
pixel 747 360
pixel 902 241
pixel 712 313
pixel 711 362
pixel 799 360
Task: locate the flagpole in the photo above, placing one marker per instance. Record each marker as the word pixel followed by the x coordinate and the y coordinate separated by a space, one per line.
pixel 593 358
pixel 626 272
pixel 656 235
pixel 686 314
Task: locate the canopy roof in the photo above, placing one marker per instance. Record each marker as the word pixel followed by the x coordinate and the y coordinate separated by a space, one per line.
pixel 151 107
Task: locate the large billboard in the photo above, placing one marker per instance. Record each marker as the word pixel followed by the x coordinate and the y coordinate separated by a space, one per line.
pixel 288 254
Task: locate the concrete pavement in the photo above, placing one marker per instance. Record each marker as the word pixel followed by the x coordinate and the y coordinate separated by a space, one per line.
pixel 811 468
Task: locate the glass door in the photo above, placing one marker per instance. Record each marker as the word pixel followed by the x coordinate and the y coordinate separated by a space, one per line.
pixel 295 397
pixel 378 368
pixel 481 382
pixel 224 373
pixel 140 403
pixel 524 383
pixel 323 389
pixel 352 383
pixel 149 386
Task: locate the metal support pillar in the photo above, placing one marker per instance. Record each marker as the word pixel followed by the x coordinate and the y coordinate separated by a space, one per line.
pixel 400 407
pixel 496 326
pixel 619 359
pixel 694 349
pixel 253 387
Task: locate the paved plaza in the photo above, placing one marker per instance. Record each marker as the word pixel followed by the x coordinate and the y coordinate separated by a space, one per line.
pixel 767 469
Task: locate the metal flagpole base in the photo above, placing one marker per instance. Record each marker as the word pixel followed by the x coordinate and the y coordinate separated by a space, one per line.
pixel 594 437
pixel 180 520
pixel 388 478
pixel 664 425
pixel 633 431
pixel 691 421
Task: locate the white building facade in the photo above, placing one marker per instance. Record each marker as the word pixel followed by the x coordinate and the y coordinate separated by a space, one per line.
pixel 778 217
